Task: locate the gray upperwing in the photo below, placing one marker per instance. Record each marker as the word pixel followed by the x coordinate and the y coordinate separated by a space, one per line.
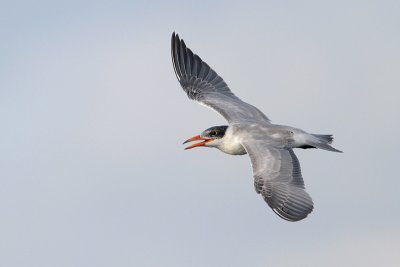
pixel 278 179
pixel 203 84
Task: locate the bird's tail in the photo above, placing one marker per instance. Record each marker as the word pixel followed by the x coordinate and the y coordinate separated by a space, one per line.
pixel 323 141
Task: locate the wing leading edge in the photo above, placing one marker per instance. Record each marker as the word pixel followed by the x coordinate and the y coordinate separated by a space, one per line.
pixel 201 83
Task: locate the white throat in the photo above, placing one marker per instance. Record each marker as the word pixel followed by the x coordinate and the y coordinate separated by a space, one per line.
pixel 230 144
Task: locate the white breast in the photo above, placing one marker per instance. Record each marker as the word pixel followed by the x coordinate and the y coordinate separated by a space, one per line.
pixel 231 144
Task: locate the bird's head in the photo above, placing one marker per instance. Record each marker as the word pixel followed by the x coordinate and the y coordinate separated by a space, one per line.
pixel 211 137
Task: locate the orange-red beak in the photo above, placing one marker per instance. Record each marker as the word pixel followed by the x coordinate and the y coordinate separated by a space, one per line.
pixel 196 138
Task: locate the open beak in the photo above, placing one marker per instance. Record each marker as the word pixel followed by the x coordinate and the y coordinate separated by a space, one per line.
pixel 196 138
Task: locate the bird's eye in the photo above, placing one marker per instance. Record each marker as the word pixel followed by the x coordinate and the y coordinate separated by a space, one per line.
pixel 212 133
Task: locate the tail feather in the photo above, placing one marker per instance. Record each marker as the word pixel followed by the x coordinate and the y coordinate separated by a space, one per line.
pixel 323 141
pixel 326 146
pixel 328 138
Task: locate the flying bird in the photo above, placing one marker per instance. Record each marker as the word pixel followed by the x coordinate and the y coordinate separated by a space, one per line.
pixel 276 169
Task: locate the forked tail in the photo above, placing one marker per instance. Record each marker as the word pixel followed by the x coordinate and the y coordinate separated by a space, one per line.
pixel 323 141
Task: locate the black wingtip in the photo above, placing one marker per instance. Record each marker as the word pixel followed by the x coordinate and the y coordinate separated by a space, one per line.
pixel 175 53
pixel 175 36
pixel 173 39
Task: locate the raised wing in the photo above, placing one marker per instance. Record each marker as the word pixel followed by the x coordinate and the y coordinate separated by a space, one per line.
pixel 278 179
pixel 203 84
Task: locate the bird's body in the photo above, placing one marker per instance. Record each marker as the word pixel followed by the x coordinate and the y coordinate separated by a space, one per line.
pixel 277 135
pixel 270 146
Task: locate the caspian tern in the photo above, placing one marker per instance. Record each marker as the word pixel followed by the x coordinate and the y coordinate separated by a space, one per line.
pixel 276 168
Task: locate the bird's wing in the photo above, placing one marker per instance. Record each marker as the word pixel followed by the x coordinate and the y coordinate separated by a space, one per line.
pixel 278 179
pixel 203 84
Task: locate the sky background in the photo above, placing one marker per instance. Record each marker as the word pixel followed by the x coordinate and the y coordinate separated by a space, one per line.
pixel 92 118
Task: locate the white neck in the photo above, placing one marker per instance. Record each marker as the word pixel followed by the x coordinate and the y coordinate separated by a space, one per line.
pixel 229 144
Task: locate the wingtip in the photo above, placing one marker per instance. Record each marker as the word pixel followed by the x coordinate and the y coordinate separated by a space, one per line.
pixel 293 217
pixel 175 40
pixel 173 37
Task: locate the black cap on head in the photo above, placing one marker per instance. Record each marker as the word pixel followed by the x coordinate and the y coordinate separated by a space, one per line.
pixel 215 132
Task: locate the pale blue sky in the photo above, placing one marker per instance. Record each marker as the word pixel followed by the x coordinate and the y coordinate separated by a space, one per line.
pixel 92 168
